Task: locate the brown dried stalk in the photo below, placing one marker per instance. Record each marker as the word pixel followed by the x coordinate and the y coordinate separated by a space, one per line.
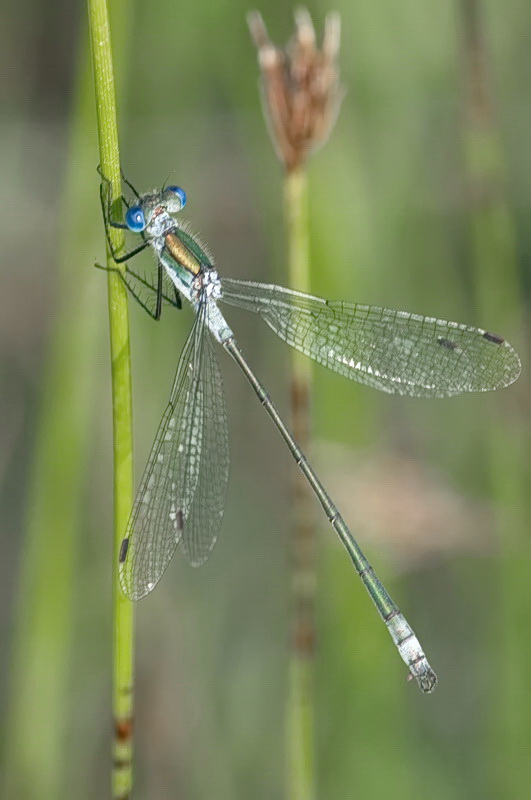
pixel 300 88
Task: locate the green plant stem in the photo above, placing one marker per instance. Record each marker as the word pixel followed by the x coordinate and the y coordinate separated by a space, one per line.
pixel 300 705
pixel 123 620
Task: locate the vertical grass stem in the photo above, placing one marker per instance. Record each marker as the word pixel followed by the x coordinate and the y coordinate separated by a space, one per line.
pixel 123 620
pixel 300 706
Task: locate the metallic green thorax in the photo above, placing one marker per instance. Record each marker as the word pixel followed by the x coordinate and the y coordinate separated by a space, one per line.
pixel 182 253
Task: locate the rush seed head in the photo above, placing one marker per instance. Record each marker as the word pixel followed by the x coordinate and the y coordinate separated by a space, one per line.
pixel 300 88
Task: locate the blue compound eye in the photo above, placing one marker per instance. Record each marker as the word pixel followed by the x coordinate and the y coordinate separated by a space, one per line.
pixel 175 198
pixel 135 219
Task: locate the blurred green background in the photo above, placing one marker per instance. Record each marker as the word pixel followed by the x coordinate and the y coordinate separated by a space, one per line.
pixel 419 201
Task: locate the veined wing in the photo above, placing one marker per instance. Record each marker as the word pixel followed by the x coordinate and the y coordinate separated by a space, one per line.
pixel 203 517
pixel 390 350
pixel 182 492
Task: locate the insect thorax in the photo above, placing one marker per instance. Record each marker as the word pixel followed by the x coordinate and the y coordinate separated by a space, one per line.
pixel 206 283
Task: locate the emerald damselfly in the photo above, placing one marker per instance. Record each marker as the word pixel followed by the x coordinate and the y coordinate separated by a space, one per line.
pixel 182 493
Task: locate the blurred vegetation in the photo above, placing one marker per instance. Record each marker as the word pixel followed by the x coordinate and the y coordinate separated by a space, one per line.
pixel 395 193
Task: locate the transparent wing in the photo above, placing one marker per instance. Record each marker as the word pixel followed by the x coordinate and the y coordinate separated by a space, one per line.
pixel 390 350
pixel 182 492
pixel 204 514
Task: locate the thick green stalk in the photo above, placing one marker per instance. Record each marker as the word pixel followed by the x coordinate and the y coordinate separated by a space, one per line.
pixel 300 705
pixel 123 628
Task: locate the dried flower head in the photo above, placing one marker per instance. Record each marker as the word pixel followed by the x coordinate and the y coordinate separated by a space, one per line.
pixel 301 92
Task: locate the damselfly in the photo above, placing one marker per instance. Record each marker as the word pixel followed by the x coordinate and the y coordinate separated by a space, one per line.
pixel 182 493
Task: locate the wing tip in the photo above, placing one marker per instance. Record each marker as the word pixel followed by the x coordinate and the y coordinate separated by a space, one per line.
pixel 512 365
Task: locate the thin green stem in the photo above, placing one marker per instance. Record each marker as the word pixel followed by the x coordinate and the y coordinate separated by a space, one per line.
pixel 123 621
pixel 300 706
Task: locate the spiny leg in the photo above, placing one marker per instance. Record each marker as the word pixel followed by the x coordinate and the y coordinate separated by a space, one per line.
pixel 128 183
pixel 158 306
pixel 130 288
pixel 172 301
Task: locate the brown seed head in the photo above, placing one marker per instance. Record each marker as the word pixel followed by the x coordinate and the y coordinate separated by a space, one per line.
pixel 301 93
